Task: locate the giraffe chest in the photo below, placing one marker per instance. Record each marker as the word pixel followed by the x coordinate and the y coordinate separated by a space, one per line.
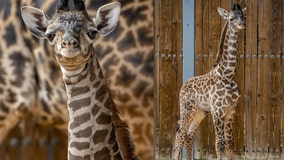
pixel 224 94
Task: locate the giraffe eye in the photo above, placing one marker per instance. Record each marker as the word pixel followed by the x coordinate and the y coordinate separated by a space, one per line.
pixel 92 34
pixel 49 36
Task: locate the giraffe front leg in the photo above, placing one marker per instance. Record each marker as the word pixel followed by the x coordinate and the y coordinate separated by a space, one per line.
pixel 219 135
pixel 229 132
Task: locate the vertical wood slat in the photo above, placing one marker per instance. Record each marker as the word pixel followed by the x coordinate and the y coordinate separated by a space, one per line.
pixel 275 70
pixel 250 92
pixel 11 144
pixel 57 144
pixel 168 67
pixel 238 127
pixel 202 67
pixel 33 134
pixel 264 91
pixel 200 38
pixel 28 141
pixel 282 84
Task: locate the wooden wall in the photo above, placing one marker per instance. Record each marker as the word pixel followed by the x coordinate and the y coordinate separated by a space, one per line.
pixel 258 127
pixel 168 74
pixel 29 141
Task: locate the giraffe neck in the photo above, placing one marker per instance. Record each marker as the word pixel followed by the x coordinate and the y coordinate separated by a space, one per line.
pixel 91 130
pixel 226 62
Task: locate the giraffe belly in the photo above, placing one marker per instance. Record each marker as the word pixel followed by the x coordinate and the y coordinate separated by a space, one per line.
pixel 204 107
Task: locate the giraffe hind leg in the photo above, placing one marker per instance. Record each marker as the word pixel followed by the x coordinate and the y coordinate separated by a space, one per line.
pixel 197 119
pixel 180 137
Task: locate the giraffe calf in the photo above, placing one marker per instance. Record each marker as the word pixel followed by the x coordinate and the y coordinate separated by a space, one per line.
pixel 215 92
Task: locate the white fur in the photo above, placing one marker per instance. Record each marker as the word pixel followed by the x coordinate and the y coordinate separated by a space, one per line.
pixel 114 12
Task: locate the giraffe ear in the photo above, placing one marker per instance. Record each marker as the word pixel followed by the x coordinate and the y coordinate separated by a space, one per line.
pixel 223 13
pixel 35 20
pixel 244 10
pixel 107 18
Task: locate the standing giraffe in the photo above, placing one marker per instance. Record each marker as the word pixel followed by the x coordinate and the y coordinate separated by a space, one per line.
pixel 95 129
pixel 215 92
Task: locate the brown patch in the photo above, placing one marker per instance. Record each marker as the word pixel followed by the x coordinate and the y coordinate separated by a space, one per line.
pixel 84 133
pixel 100 136
pixel 117 156
pixel 92 71
pixel 80 120
pixel 102 154
pixel 79 90
pixel 233 64
pixel 101 75
pixel 95 109
pixel 80 145
pixel 104 119
pixel 11 97
pixel 75 105
pixel 92 77
pixel 3 107
pixel 96 85
pixel 220 93
pixel 101 93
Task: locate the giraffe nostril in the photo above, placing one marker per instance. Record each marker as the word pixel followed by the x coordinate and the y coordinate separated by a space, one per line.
pixel 70 43
pixel 74 43
pixel 63 44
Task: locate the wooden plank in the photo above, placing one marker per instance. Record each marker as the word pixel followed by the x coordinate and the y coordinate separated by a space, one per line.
pixel 198 37
pixel 156 78
pixel 250 93
pixel 199 148
pixel 264 91
pixel 11 148
pixel 31 137
pixel 165 81
pixel 238 127
pixel 275 107
pixel 201 138
pixel 58 144
pixel 168 29
pixel 282 85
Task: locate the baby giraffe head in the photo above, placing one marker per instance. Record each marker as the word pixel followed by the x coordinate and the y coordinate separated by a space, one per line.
pixel 236 17
pixel 72 32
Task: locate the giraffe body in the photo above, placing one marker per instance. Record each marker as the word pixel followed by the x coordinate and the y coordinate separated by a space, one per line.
pixel 215 92
pixel 95 129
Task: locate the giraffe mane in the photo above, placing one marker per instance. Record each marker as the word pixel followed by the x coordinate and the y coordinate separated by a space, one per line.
pixel 123 136
pixel 221 45
pixel 64 5
pixel 235 7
